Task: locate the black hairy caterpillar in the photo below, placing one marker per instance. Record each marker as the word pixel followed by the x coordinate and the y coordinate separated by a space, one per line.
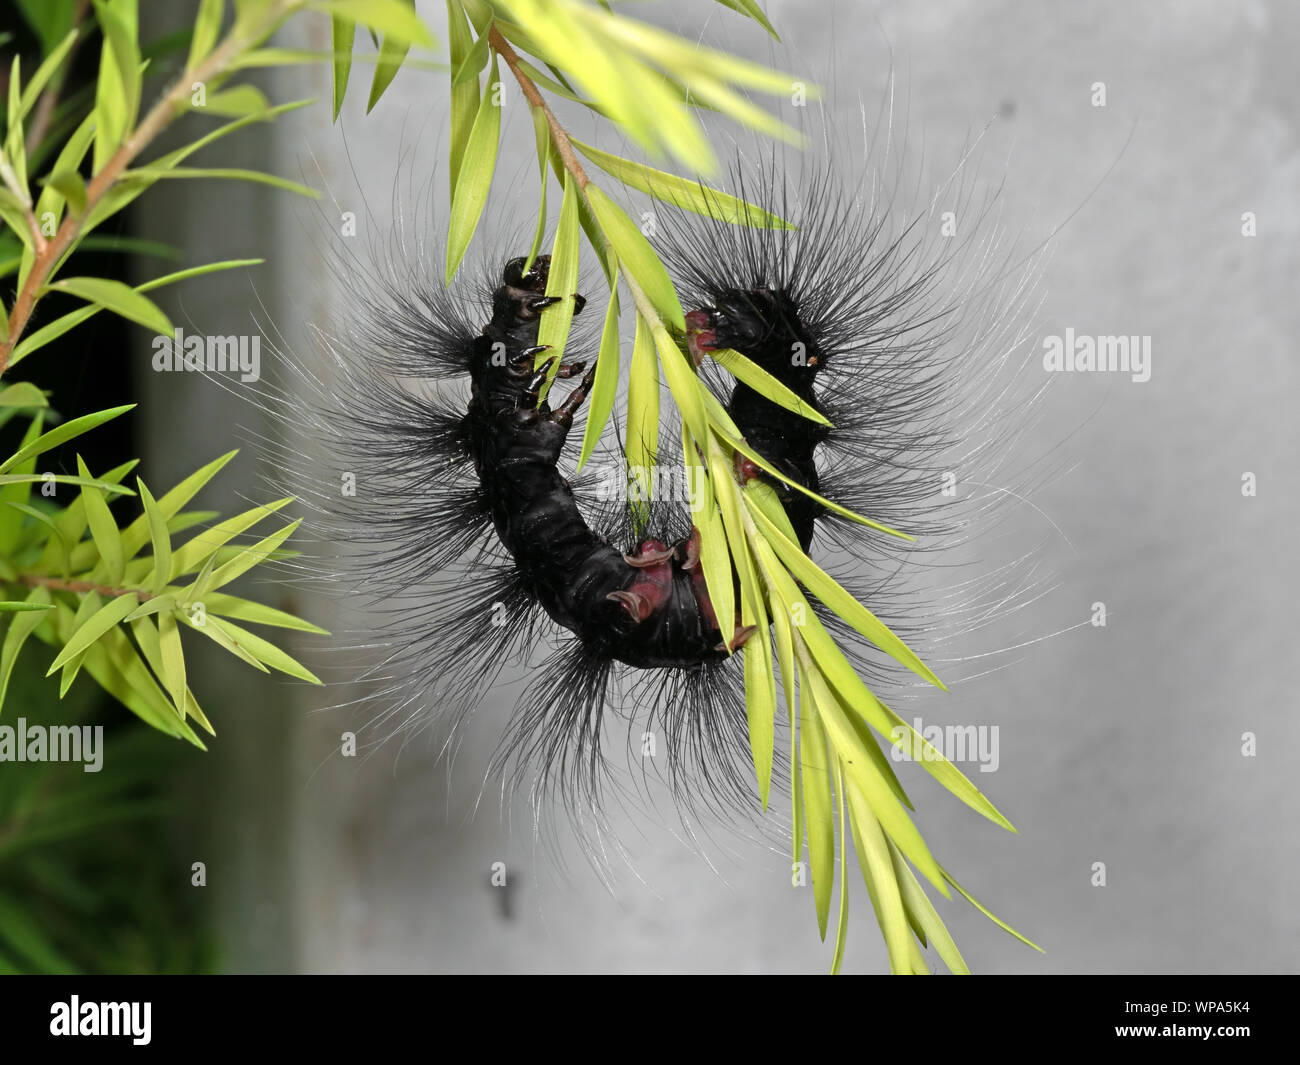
pixel 648 609
pixel 480 551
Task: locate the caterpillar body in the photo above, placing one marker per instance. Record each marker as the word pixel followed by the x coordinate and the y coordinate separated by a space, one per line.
pixel 472 533
pixel 649 608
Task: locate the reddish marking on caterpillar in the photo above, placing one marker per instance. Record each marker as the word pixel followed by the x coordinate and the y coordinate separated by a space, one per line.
pixel 700 336
pixel 652 589
pixel 746 468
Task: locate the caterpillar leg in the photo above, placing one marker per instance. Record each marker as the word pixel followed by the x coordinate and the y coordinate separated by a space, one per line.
pixel 650 607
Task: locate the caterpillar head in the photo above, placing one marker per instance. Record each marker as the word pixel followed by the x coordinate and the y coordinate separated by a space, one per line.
pixel 762 324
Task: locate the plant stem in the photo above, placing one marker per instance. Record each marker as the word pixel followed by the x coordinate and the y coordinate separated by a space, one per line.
pixel 558 133
pixel 45 106
pixel 564 146
pixel 159 117
pixel 62 584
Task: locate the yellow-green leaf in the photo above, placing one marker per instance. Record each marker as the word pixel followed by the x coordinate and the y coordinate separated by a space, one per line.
pixel 474 178
pixel 686 193
pixel 562 281
pixel 103 529
pixel 600 404
pixel 117 297
pixel 636 257
pixel 95 627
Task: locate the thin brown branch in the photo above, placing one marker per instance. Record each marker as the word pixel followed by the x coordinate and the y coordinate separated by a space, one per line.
pixel 558 134
pixel 62 584
pixel 564 146
pixel 158 118
pixel 44 112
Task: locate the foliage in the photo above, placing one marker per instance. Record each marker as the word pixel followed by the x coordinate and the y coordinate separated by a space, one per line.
pixel 113 597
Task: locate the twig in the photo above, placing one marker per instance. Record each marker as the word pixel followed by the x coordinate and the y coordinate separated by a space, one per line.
pixel 564 146
pixel 45 105
pixel 558 133
pixel 158 118
pixel 61 584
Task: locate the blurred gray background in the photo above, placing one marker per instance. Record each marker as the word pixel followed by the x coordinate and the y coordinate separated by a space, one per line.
pixel 1119 745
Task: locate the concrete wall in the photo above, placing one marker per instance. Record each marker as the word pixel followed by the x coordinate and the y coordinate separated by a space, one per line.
pixel 1119 745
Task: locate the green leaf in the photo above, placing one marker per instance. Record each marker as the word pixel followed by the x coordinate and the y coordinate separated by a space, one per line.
pixel 23 394
pixel 150 643
pixel 464 95
pixel 229 606
pixel 641 438
pixel 117 297
pixel 550 32
pixel 389 17
pixel 70 158
pixel 472 61
pixel 87 608
pixel 342 33
pixel 138 533
pixel 117 98
pixel 923 914
pixel 49 19
pixel 19 629
pixel 72 187
pixel 726 430
pixel 562 281
pixel 172 657
pixel 600 405
pixel 63 478
pixel 13 161
pixel 817 805
pixel 267 652
pixel 391 55
pixel 162 541
pixel 125 192
pixel 215 631
pixel 246 560
pixel 14 216
pixel 715 562
pixel 238 102
pixel 822 585
pixel 71 524
pixel 116 666
pixel 207 28
pixel 762 382
pixel 636 257
pixel 987 913
pixel 41 78
pixel 103 529
pixel 475 176
pixel 96 626
pixel 542 136
pixel 194 552
pixel 62 434
pixel 685 193
pixel 751 8
pixel 20 493
pixel 9 606
pixel 678 54
pixel 878 872
pixel 864 776
pixel 842 923
pixel 841 675
pixel 683 382
pixel 55 329
pixel 228 174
